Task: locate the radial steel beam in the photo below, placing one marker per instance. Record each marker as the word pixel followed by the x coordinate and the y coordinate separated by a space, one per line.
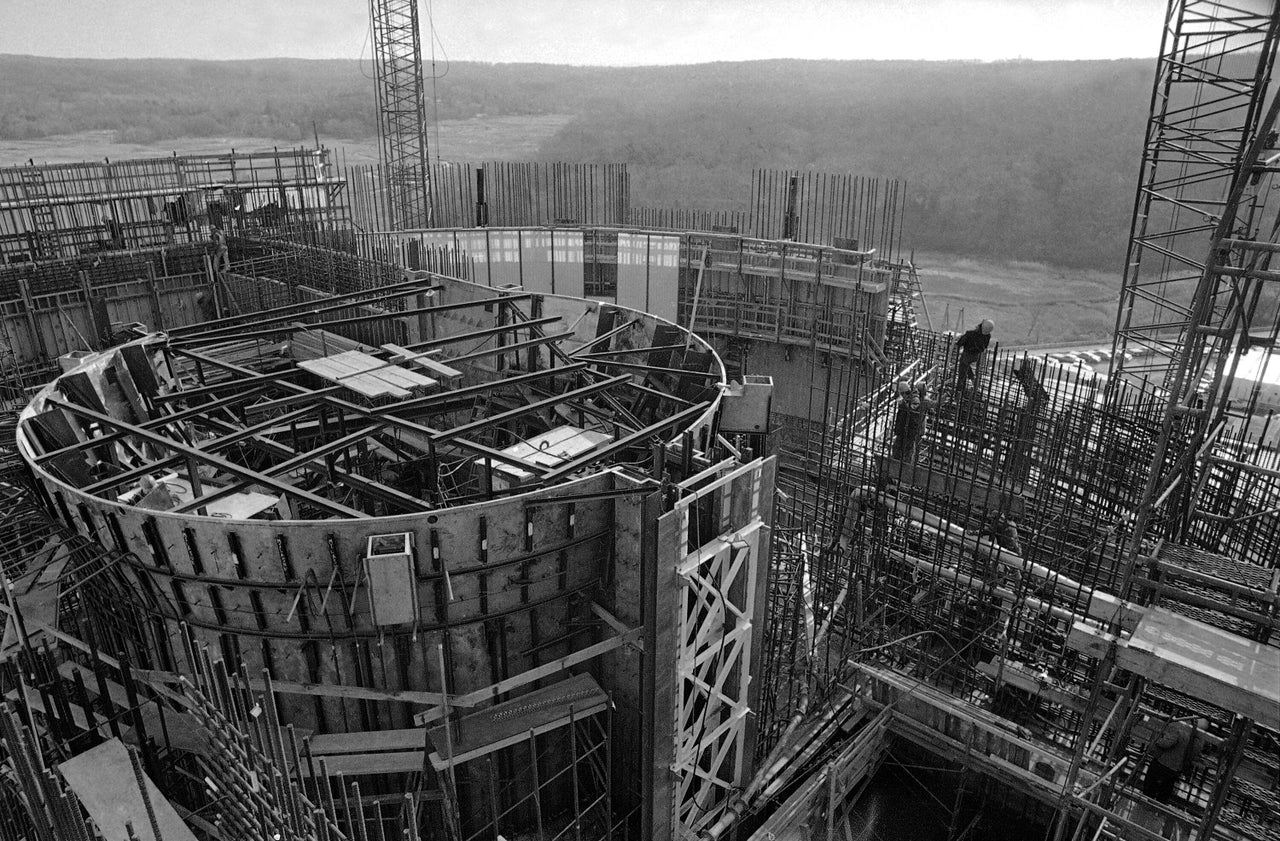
pixel 369 487
pixel 416 405
pixel 483 333
pixel 155 423
pixel 210 459
pixel 554 400
pixel 296 462
pixel 591 457
pixel 331 303
pixel 208 446
pixel 392 420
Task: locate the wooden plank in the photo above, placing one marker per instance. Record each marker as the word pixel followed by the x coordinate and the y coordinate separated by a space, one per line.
pixel 439 368
pixel 480 696
pixel 550 449
pixel 362 372
pixel 401 377
pixel 346 373
pixel 374 741
pixel 333 690
pixel 352 361
pixel 981 494
pixel 36 595
pixel 104 782
pixel 510 722
pixel 1023 677
pixel 183 730
pixel 1205 662
pixel 371 386
pixel 78 717
pixel 357 764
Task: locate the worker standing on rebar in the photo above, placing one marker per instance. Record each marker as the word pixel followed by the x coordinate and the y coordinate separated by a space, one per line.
pixel 115 233
pixel 909 423
pixel 206 308
pixel 972 344
pixel 1000 532
pixel 1005 532
pixel 221 253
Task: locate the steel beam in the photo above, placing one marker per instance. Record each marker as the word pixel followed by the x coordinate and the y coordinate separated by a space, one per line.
pixel 155 423
pixel 214 388
pixel 621 444
pixel 294 327
pixel 515 347
pixel 210 459
pixel 294 463
pixel 653 369
pixel 336 302
pixel 208 447
pixel 290 327
pixel 424 404
pixel 369 487
pixel 391 420
pixel 481 334
pixel 554 400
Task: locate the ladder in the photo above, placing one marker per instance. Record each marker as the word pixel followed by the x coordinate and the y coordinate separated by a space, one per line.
pixel 44 234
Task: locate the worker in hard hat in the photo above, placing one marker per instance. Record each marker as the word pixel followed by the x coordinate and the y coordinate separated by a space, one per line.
pixel 972 344
pixel 909 423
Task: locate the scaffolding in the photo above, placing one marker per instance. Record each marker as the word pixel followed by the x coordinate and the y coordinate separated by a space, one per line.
pixel 905 566
pixel 57 211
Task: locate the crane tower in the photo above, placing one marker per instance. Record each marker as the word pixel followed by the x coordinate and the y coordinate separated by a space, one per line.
pixel 397 52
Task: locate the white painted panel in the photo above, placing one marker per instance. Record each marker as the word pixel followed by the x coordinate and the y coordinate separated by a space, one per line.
pixel 567 251
pixel 535 260
pixel 664 276
pixel 474 246
pixel 504 257
pixel 633 271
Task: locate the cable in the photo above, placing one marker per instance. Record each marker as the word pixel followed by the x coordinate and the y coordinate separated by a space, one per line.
pixel 368 32
pixel 433 40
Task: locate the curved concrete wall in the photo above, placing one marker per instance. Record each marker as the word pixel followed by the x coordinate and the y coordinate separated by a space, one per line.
pixel 521 571
pixel 776 291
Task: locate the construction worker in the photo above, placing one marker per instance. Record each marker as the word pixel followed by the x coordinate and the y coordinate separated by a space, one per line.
pixel 972 344
pixel 1173 753
pixel 221 253
pixel 206 308
pixel 909 423
pixel 115 233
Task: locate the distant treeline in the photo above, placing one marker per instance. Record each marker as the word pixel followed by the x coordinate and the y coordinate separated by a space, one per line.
pixel 1030 161
pixel 1021 160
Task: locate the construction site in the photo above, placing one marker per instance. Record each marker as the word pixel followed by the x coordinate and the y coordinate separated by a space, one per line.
pixel 469 502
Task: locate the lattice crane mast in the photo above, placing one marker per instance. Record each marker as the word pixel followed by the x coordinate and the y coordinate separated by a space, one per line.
pixel 1202 237
pixel 397 59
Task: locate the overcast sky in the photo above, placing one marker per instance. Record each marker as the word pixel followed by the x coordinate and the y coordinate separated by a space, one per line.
pixel 625 32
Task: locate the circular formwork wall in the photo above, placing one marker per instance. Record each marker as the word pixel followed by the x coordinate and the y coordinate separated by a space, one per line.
pixel 502 586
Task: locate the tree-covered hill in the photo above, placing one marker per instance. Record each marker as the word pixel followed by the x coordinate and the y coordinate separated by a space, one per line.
pixel 1019 160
